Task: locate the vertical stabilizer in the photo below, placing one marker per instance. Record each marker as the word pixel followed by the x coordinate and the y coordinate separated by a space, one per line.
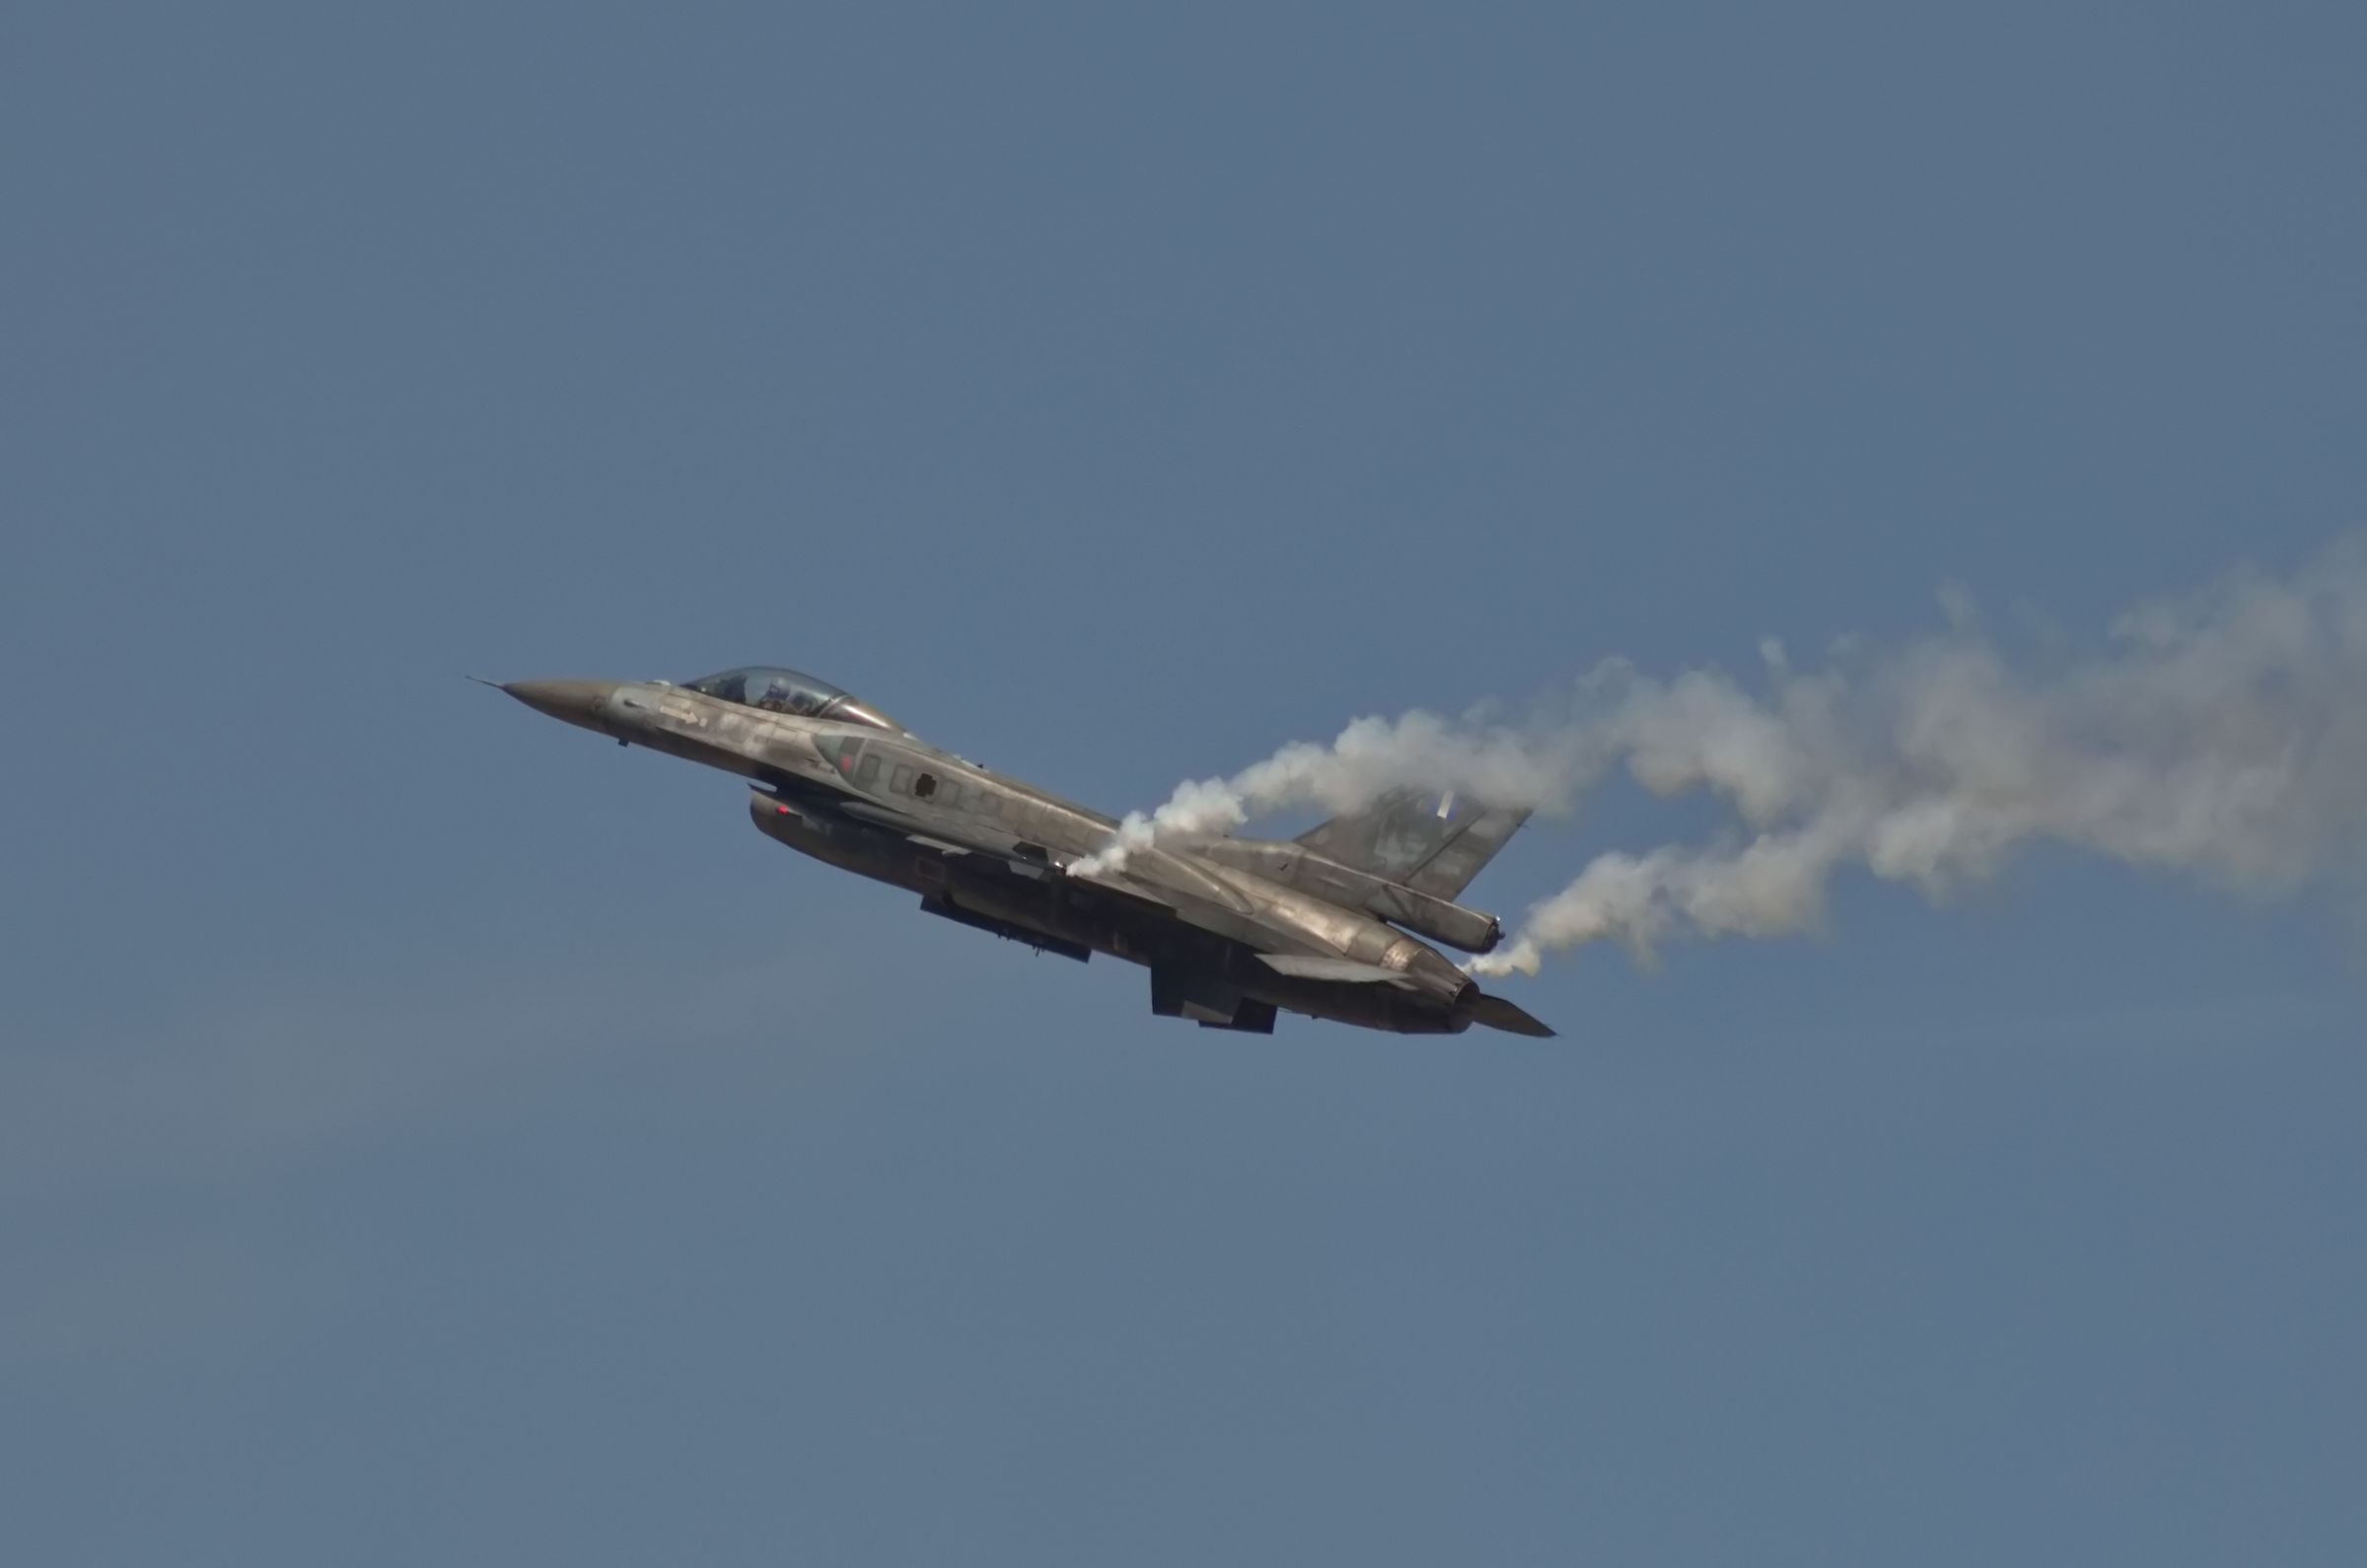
pixel 1432 844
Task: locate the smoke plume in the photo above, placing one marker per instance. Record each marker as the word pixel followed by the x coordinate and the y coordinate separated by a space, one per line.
pixel 2223 737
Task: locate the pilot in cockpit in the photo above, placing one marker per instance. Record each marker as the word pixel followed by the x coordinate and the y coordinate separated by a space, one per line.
pixel 773 694
pixel 787 691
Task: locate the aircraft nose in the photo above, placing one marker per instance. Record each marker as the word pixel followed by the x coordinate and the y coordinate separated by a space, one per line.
pixel 584 702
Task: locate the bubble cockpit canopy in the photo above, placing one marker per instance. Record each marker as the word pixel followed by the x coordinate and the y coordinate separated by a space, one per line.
pixel 779 690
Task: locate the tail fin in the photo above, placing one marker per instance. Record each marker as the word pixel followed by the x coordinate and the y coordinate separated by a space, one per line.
pixel 1430 844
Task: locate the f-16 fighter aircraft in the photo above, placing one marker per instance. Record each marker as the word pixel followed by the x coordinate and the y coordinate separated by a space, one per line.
pixel 1233 930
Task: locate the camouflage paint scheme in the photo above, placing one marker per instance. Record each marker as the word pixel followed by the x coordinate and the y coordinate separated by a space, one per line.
pixel 1233 930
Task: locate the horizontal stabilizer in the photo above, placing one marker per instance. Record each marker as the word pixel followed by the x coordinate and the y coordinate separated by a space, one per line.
pixel 1344 969
pixel 1497 1013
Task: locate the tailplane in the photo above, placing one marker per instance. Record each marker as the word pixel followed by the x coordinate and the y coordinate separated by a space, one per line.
pixel 1496 1013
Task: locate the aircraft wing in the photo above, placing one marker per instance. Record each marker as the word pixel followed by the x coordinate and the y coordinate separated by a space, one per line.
pixel 1185 891
pixel 1196 899
pixel 1345 970
pixel 949 836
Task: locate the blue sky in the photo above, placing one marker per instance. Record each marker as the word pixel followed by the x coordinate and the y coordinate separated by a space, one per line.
pixel 428 1133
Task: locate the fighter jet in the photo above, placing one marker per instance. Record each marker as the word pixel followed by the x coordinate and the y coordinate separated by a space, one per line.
pixel 1234 930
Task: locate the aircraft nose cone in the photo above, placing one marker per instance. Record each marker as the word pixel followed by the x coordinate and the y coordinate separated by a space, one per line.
pixel 584 702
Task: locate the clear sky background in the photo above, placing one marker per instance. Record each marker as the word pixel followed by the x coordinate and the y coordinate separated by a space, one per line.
pixel 429 1134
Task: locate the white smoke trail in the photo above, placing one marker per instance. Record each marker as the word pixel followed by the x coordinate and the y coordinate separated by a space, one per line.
pixel 1536 764
pixel 2223 737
